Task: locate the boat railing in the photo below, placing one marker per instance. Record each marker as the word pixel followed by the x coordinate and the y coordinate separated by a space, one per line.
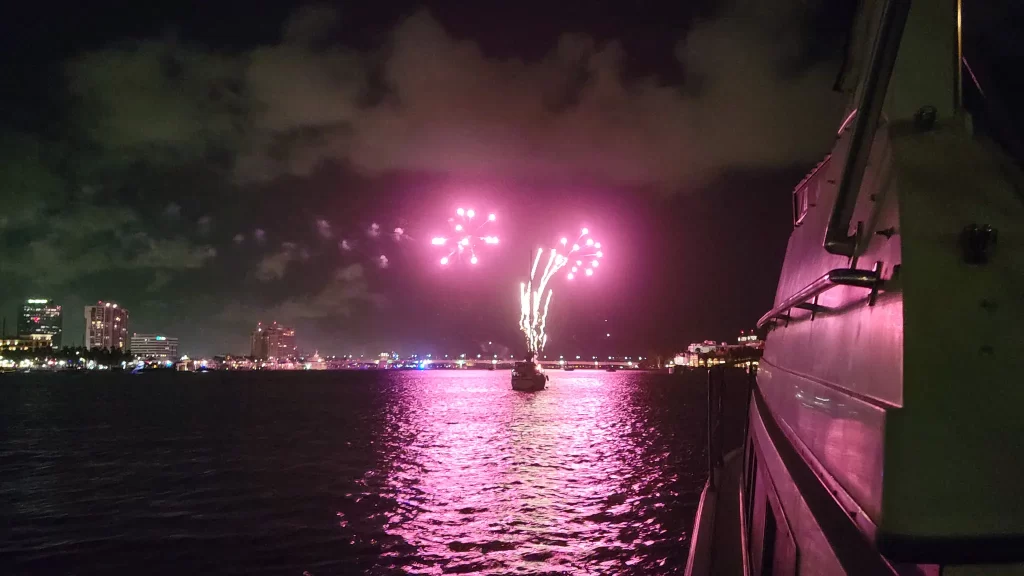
pixel 807 298
pixel 717 421
pixel 869 110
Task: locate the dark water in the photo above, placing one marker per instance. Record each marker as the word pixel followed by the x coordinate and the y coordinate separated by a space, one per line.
pixel 348 473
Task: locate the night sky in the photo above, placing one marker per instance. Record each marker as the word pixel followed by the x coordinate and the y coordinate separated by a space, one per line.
pixel 201 165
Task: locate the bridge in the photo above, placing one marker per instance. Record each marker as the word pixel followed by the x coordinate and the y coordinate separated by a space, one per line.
pixel 547 364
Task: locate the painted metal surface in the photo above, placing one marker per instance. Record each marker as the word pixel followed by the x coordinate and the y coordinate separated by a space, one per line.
pixel 953 459
pixel 844 433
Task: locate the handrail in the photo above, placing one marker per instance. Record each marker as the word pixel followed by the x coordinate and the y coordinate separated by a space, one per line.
pixel 840 277
pixel 869 110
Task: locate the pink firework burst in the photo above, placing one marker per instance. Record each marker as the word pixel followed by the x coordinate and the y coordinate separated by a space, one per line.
pixel 467 236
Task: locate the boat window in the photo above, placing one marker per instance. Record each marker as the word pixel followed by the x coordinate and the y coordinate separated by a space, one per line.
pixel 749 484
pixel 779 546
pixel 772 550
pixel 768 556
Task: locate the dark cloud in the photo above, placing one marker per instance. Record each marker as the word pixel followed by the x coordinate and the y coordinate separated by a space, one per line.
pixel 274 266
pixel 343 294
pixel 448 107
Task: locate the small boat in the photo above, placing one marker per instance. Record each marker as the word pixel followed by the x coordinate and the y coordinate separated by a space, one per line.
pixel 528 377
pixel 569 368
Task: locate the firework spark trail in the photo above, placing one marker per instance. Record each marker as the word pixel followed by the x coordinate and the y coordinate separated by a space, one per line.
pixel 534 303
pixel 534 315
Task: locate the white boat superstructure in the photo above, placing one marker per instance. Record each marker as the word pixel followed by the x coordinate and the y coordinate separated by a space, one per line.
pixel 884 428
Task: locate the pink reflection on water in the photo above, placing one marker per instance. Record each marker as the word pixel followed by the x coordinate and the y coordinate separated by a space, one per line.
pixel 491 481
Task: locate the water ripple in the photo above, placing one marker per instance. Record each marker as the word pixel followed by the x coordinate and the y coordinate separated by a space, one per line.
pixel 339 473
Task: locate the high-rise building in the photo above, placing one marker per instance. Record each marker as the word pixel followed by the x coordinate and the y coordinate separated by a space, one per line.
pixel 40 319
pixel 273 341
pixel 106 326
pixel 155 346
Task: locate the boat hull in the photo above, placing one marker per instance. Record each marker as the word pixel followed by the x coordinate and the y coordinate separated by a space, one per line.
pixel 529 383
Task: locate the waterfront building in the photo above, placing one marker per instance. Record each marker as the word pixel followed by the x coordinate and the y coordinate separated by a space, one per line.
pixel 40 319
pixel 106 326
pixel 272 341
pixel 23 344
pixel 154 346
pixel 708 353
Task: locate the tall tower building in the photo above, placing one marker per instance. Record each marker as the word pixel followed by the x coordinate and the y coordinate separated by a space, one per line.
pixel 40 319
pixel 106 326
pixel 273 341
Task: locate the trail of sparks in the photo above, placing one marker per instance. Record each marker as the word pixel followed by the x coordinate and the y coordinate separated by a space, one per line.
pixel 535 303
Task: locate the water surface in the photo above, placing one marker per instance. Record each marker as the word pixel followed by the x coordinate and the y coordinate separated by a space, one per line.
pixel 348 472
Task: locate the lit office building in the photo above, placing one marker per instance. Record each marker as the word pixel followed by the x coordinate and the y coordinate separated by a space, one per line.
pixel 23 344
pixel 106 326
pixel 40 320
pixel 154 346
pixel 273 341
